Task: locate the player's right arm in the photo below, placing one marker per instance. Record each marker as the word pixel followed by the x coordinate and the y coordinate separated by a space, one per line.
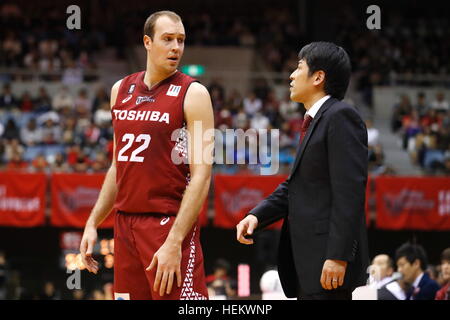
pixel 103 206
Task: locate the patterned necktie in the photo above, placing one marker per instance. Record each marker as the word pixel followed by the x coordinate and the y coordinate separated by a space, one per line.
pixel 305 125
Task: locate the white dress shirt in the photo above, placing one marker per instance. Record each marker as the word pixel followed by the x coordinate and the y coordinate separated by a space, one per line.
pixel 316 106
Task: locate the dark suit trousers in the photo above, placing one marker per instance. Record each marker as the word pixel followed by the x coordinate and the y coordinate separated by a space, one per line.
pixel 327 295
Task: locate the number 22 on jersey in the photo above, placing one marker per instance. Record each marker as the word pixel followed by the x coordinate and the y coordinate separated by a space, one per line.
pixel 134 155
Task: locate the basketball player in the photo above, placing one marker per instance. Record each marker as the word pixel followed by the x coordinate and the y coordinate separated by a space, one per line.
pixel 157 199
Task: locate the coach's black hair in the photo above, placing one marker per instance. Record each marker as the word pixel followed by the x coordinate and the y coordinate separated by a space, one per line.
pixel 331 59
pixel 412 252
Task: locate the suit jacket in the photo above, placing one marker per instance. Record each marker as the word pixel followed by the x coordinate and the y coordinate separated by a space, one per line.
pixel 323 202
pixel 426 290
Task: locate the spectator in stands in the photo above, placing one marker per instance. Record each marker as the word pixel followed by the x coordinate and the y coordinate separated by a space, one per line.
pixel 50 132
pixel 217 92
pixel 91 135
pixel 241 120
pixel 69 133
pixel 102 116
pixel 234 102
pixel 97 294
pixel 7 99
pixel 288 108
pixel 271 109
pixel 30 134
pixel 108 289
pixel 100 163
pixel 83 104
pixel 440 104
pixel 78 294
pixel 410 128
pixel 49 62
pixel 252 104
pixel 49 292
pixel 12 49
pixel 59 164
pixel 43 102
pixel 444 292
pixel 421 106
pixel 259 121
pixel 39 164
pixel 220 285
pixel 16 163
pixel 381 270
pixel 62 99
pixel 411 263
pixel 224 119
pixel 434 155
pixel 26 103
pixel 82 163
pixel 12 147
pixel 430 120
pixel 11 131
pixel 383 278
pixel 401 109
pixel 72 75
pixel 101 97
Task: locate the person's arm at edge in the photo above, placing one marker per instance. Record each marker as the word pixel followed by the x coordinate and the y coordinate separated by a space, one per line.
pixel 103 205
pixel 197 108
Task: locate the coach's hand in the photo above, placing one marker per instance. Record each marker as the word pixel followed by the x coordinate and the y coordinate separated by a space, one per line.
pixel 86 248
pixel 246 227
pixel 333 273
pixel 168 262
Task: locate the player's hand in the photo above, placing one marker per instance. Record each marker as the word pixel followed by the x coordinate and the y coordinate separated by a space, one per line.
pixel 333 273
pixel 86 248
pixel 168 262
pixel 246 227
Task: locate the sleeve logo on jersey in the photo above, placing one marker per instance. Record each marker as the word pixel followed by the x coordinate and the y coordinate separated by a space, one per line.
pixel 127 98
pixel 173 90
pixel 131 89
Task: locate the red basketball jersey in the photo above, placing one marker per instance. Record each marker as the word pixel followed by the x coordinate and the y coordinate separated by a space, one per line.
pixel 145 126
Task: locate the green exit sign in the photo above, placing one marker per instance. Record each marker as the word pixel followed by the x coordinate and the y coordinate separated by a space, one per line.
pixel 193 70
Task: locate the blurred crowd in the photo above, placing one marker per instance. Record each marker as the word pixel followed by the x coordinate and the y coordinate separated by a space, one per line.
pixel 60 133
pixel 410 49
pixel 424 128
pixel 46 46
pixel 73 133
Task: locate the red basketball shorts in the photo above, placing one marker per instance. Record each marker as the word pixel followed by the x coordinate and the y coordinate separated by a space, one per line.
pixel 136 239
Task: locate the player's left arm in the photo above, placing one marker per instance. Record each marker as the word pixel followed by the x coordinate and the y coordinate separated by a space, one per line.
pixel 200 124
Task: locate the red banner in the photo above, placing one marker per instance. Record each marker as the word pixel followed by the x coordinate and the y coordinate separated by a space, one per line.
pixel 73 197
pixel 413 203
pixel 22 199
pixel 234 196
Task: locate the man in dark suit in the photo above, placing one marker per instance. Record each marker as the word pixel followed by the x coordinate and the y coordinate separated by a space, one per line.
pixel 323 251
pixel 411 263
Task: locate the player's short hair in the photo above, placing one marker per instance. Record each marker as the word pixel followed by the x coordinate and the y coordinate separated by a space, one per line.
pixel 445 255
pixel 331 59
pixel 149 26
pixel 412 252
